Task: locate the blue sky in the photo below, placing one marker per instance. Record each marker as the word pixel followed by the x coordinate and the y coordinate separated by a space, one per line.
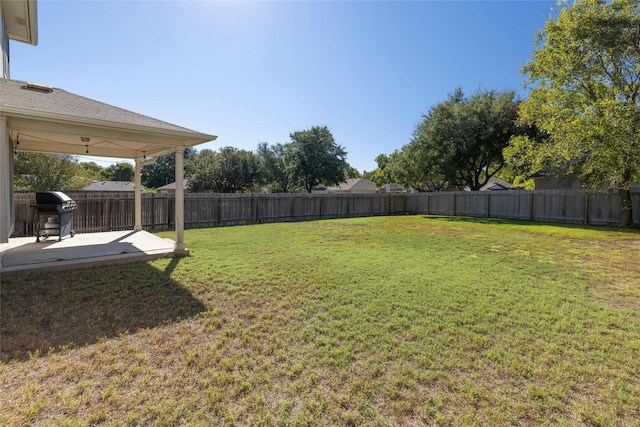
pixel 254 72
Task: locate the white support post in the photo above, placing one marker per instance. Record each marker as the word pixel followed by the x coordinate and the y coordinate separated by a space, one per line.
pixel 179 211
pixel 138 195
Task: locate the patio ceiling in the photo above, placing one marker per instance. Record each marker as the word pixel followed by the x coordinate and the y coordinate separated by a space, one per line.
pixel 65 137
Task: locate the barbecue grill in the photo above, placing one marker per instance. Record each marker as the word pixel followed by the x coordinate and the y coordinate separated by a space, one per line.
pixel 53 214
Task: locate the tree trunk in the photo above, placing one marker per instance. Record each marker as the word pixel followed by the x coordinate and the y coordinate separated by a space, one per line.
pixel 624 189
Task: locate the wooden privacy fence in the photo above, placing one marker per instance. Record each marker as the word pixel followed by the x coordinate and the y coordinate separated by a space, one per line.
pixel 98 211
pixel 564 206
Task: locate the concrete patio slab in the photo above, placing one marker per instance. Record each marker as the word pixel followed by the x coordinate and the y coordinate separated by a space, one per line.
pixel 24 254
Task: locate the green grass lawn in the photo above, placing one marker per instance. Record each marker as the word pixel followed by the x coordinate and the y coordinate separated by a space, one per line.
pixel 373 321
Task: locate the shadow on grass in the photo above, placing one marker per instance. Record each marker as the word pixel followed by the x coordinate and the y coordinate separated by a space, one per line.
pixel 48 312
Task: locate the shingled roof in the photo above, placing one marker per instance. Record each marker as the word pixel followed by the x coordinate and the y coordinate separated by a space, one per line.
pixel 40 99
pixel 23 100
pixel 354 185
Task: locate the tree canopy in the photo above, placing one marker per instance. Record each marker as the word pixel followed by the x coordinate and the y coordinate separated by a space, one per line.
pixel 404 168
pixel 276 167
pixel 459 142
pixel 163 170
pixel 585 96
pixel 229 171
pixel 43 172
pixel 316 158
pixel 93 170
pixel 122 171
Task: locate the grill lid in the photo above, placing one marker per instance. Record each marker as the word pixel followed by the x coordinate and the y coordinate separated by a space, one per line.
pixel 52 198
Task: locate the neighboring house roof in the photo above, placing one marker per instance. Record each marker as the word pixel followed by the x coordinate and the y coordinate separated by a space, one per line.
pixel 354 185
pixel 172 186
pixel 110 186
pixel 496 184
pixel 47 119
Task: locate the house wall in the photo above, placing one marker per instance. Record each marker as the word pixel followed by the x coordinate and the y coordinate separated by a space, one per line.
pixel 4 46
pixel 6 151
pixel 6 183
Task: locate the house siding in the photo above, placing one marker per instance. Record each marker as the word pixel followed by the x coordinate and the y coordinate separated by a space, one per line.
pixel 6 160
pixel 6 183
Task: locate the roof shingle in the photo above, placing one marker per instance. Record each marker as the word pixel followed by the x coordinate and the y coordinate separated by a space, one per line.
pixel 16 94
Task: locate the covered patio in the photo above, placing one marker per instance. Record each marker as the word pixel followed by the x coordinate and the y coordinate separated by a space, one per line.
pixel 25 255
pixel 41 118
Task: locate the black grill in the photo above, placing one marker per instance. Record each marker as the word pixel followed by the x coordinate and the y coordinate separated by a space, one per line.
pixel 53 214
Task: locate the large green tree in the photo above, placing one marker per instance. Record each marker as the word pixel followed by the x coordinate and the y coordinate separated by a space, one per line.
pixel 229 171
pixel 93 170
pixel 163 170
pixel 317 158
pixel 409 170
pixel 352 173
pixel 121 171
pixel 585 95
pixel 276 168
pixel 461 139
pixel 44 172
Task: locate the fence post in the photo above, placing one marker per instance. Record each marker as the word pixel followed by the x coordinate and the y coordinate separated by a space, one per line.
pixel 531 208
pixel 218 208
pixel 108 214
pixel 153 209
pixel 256 207
pixel 290 200
pixel 455 208
pixel 488 204
pixel 586 208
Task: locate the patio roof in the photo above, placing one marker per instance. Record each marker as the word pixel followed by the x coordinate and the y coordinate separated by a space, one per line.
pixel 42 118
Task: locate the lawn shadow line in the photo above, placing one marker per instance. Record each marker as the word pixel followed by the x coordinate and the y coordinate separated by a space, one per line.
pixel 43 313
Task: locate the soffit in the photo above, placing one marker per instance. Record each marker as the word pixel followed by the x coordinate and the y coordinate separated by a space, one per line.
pixel 21 20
